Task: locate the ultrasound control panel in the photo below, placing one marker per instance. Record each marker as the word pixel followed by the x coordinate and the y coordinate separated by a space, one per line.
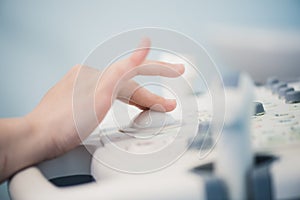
pixel 274 137
pixel 276 121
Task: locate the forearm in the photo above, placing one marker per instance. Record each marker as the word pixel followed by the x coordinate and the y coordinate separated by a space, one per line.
pixel 20 146
pixel 50 129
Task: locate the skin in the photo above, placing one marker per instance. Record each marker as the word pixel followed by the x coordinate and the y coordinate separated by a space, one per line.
pixel 50 129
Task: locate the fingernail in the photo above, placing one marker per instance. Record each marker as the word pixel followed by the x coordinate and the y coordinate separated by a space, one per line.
pixel 158 107
pixel 180 68
pixel 171 101
pixel 144 43
pixel 170 104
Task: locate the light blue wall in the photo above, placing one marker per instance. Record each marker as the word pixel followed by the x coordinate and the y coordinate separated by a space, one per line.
pixel 41 40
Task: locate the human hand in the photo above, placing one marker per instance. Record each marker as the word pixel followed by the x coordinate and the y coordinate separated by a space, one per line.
pixel 53 118
pixel 51 129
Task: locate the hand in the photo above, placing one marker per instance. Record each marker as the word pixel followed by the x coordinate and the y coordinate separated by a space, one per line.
pixel 50 128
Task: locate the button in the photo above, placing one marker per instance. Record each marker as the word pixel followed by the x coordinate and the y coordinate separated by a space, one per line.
pixel 271 81
pixel 258 108
pixel 278 85
pixel 284 116
pixel 296 128
pixel 294 107
pixel 287 121
pixel 292 97
pixel 282 91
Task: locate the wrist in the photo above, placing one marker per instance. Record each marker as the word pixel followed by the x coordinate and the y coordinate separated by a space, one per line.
pixel 20 146
pixel 36 137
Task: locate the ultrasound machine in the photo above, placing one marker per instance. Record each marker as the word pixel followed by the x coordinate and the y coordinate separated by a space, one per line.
pixel 255 154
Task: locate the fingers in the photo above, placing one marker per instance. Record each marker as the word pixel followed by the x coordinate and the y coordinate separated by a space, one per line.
pixel 140 54
pixel 121 72
pixel 111 76
pixel 108 84
pixel 142 98
pixel 136 65
pixel 159 69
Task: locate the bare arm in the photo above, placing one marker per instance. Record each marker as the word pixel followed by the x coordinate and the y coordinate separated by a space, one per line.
pixel 49 130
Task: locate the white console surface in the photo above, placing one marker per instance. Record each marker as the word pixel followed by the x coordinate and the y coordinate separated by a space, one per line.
pixel 275 131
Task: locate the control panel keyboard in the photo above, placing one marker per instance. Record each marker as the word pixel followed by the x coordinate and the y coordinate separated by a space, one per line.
pixel 279 125
pixel 275 122
pixel 276 119
pixel 275 125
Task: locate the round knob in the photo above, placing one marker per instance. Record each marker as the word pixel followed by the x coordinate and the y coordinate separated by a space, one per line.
pixel 149 123
pixel 292 97
pixel 278 85
pixel 152 119
pixel 282 91
pixel 258 108
pixel 271 81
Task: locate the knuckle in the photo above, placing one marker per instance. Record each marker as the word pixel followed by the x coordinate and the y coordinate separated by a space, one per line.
pixel 76 67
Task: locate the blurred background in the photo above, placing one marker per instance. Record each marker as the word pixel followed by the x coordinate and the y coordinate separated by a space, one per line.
pixel 41 40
